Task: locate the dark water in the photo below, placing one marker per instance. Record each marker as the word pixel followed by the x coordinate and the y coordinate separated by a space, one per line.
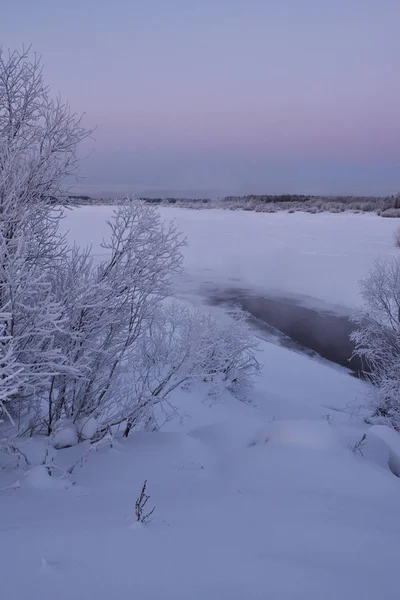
pixel 314 332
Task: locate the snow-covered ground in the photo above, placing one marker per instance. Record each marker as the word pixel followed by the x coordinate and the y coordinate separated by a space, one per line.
pixel 318 256
pixel 256 500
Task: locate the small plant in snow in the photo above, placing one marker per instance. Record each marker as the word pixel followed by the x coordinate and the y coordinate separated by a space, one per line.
pixel 141 515
pixel 327 417
pixel 357 448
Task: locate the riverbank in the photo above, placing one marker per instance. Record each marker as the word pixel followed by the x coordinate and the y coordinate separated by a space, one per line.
pixel 315 332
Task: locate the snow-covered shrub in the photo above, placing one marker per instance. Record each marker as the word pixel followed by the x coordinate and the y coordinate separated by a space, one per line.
pixel 107 308
pixel 38 145
pixel 368 206
pixel 180 346
pixel 9 371
pixel 86 345
pixel 377 340
pixel 392 213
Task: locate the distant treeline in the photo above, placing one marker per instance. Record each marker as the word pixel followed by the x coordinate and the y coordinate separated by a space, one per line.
pixel 110 201
pixel 386 206
pixel 176 200
pixel 269 198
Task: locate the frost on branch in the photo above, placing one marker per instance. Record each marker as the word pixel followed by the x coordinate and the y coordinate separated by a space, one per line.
pixel 83 345
pixel 377 340
pixel 180 346
pixel 107 308
pixel 9 371
pixel 39 137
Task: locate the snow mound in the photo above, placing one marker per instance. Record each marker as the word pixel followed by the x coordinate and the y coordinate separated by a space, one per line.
pixel 41 478
pixel 137 526
pixel 65 434
pixel 303 433
pixel 226 436
pixel 86 427
pixel 392 440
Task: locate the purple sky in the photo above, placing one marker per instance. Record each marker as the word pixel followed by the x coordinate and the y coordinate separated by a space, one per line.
pixel 225 96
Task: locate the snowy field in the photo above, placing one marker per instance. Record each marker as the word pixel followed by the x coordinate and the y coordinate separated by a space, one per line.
pixel 319 257
pixel 257 500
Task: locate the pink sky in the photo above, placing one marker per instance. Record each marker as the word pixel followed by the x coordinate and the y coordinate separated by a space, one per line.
pixel 226 95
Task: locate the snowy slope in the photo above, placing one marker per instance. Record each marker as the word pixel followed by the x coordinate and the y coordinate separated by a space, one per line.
pixel 246 507
pixel 255 500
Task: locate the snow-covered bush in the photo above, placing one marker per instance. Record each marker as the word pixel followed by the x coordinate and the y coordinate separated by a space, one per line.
pixel 391 213
pixel 86 345
pixel 107 308
pixel 377 340
pixel 38 144
pixel 180 346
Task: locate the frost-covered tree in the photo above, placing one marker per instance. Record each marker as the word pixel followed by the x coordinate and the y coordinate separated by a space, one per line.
pixel 9 371
pixel 131 349
pixel 81 342
pixel 107 307
pixel 39 138
pixel 377 339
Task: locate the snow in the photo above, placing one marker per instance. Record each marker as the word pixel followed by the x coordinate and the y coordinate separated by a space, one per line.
pixel 318 257
pixel 392 440
pixel 300 516
pixel 42 478
pixel 301 432
pixel 285 518
pixel 87 427
pixel 260 499
pixel 65 434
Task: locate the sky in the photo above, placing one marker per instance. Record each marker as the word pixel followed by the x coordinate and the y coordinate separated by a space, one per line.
pixel 209 97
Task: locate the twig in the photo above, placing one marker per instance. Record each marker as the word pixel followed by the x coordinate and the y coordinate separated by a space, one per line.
pixel 141 503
